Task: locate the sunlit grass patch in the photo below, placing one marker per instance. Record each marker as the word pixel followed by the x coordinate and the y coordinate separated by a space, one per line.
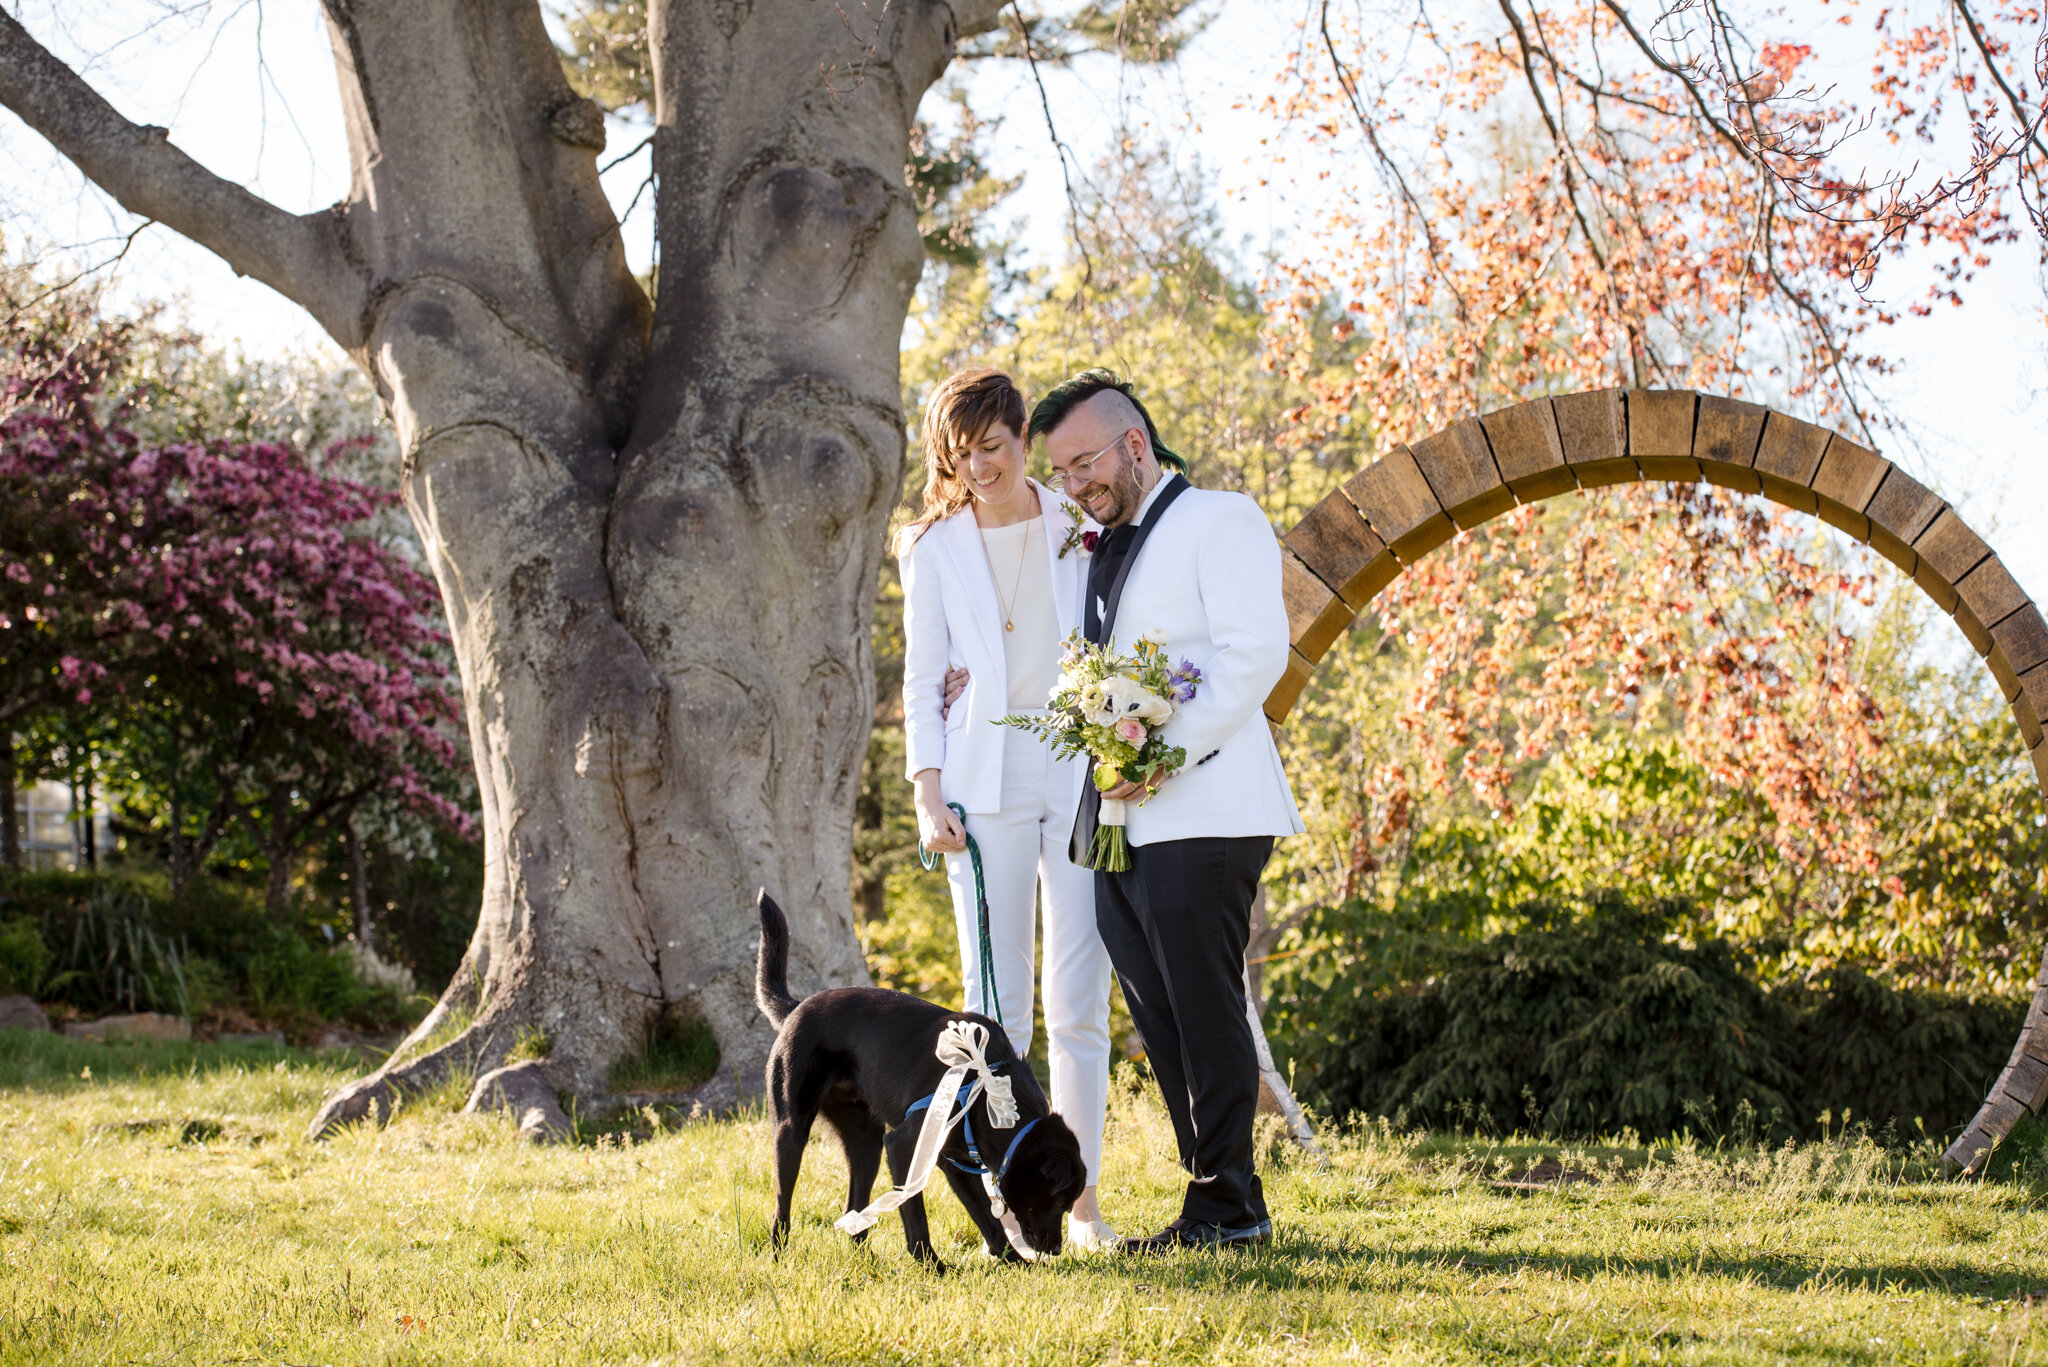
pixel 126 1236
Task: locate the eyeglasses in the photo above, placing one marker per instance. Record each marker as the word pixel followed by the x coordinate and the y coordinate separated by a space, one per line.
pixel 1085 469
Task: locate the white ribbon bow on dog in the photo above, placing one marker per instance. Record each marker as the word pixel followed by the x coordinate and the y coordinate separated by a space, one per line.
pixel 962 1043
pixel 961 1048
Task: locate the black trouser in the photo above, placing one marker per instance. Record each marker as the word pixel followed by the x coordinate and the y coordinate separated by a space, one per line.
pixel 1176 924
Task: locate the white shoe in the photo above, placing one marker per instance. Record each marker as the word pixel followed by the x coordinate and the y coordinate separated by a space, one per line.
pixel 1091 1236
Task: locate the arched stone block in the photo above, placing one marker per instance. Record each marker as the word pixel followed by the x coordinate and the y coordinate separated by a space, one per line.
pixel 1398 504
pixel 1594 435
pixel 1900 511
pixel 1527 451
pixel 1389 515
pixel 1315 616
pixel 1848 478
pixel 1788 459
pixel 1948 550
pixel 1282 699
pixel 1333 541
pixel 1660 425
pixel 1725 438
pixel 1458 465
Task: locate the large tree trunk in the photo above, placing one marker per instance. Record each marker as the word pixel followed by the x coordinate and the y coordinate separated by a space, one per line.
pixel 656 562
pixel 656 530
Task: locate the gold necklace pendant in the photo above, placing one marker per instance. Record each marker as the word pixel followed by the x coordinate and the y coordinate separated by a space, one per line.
pixel 1009 608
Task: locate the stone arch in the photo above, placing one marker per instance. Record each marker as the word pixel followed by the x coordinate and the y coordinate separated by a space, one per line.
pixel 1359 539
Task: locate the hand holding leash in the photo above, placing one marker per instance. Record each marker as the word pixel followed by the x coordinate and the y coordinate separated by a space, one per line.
pixel 991 1003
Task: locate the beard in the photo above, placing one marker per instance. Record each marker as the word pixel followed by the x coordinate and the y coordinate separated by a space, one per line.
pixel 1126 495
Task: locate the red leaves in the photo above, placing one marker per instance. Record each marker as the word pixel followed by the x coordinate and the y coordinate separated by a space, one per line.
pixel 1784 58
pixel 1563 622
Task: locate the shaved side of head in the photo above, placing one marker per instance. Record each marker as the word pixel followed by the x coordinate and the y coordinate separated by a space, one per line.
pixel 1104 398
pixel 1113 414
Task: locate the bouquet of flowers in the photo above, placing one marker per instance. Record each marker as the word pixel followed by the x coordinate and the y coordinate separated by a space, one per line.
pixel 1111 708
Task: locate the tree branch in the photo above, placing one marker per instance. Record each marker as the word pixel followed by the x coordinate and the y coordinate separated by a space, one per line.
pixel 299 256
pixel 1372 138
pixel 1052 131
pixel 1567 157
pixel 2029 121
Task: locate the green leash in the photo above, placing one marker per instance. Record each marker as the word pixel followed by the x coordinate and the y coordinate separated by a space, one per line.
pixel 991 1003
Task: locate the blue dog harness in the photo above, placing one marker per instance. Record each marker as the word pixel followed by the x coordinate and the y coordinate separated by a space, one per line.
pixel 978 1166
pixel 961 1045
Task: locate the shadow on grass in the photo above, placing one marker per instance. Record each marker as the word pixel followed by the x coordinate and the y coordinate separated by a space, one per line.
pixel 58 1063
pixel 1296 1259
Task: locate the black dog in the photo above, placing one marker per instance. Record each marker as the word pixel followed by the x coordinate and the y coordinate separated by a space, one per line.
pixel 862 1058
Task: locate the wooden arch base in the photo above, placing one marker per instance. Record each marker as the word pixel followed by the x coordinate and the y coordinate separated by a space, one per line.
pixel 1355 542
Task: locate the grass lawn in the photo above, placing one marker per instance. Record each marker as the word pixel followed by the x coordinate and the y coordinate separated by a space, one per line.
pixel 159 1204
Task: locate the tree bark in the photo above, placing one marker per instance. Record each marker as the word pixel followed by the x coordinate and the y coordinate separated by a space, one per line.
pixel 358 886
pixel 10 818
pixel 277 845
pixel 656 528
pixel 88 825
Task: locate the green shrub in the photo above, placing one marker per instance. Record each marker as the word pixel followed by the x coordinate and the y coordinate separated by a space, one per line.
pixel 1600 1023
pixel 208 986
pixel 1590 1026
pixel 24 958
pixel 122 943
pixel 114 958
pixel 290 981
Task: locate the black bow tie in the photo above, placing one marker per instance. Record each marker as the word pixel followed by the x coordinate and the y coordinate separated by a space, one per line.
pixel 1110 553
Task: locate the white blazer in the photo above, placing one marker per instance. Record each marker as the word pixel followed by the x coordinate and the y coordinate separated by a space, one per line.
pixel 953 618
pixel 1208 579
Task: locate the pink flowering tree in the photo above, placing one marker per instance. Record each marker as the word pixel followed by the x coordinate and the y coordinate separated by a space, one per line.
pixel 66 611
pixel 271 665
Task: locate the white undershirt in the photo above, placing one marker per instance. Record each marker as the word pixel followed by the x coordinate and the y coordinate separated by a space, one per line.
pixel 1018 562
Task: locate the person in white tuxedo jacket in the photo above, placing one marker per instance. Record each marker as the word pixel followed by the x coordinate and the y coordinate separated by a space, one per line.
pixel 1199 570
pixel 992 575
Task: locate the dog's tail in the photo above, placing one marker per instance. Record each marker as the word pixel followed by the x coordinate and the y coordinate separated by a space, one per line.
pixel 771 974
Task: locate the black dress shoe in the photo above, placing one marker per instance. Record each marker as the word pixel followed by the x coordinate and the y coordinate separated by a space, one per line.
pixel 1199 1234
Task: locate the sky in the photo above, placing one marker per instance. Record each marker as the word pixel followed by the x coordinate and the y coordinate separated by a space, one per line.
pixel 247 88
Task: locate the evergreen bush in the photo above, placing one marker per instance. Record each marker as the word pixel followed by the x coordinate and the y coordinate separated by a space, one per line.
pixel 1895 1059
pixel 1607 1021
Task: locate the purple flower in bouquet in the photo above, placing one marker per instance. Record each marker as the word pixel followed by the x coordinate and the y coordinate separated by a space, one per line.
pixel 1183 681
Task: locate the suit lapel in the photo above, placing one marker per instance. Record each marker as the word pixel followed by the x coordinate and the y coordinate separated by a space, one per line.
pixel 1069 572
pixel 971 573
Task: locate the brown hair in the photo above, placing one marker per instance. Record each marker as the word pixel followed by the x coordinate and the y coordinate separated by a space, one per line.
pixel 961 410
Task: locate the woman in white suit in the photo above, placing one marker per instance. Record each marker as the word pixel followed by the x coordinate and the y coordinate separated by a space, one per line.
pixel 993 573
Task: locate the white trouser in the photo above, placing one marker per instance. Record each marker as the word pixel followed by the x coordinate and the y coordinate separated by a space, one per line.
pixel 1023 847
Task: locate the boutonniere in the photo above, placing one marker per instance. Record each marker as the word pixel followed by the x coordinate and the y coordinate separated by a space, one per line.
pixel 1076 536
